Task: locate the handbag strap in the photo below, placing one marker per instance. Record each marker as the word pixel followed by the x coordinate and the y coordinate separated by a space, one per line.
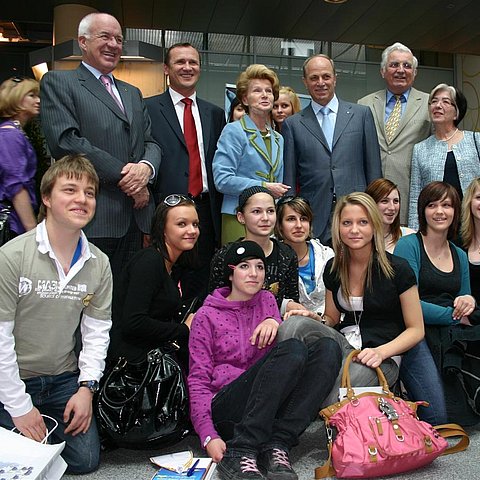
pixel 121 365
pixel 448 430
pixel 346 383
pixel 326 470
pixel 476 146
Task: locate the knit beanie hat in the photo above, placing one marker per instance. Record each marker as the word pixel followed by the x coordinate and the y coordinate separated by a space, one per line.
pixel 249 192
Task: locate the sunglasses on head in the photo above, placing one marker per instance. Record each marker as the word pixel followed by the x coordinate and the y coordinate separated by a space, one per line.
pixel 175 198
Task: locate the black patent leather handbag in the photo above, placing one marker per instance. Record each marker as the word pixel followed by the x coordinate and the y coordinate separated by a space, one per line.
pixel 4 225
pixel 141 406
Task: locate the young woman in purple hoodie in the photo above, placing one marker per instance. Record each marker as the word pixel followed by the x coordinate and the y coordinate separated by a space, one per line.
pixel 251 397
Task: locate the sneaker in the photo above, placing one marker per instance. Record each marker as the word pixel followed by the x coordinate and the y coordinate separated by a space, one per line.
pixel 276 464
pixel 244 467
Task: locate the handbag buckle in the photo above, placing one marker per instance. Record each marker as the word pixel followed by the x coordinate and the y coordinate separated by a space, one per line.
pixel 387 409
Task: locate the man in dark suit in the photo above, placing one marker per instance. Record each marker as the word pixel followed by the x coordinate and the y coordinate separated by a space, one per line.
pixel 88 111
pixel 167 111
pixel 331 146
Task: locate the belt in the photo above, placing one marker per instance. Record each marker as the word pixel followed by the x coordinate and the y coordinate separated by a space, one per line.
pixel 202 197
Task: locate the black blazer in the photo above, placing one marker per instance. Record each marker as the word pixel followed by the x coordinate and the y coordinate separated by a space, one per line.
pixel 166 130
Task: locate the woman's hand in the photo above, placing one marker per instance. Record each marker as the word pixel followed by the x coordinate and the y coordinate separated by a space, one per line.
pixel 277 189
pixel 215 449
pixel 371 357
pixel 265 333
pixel 463 306
pixel 303 312
pixel 188 321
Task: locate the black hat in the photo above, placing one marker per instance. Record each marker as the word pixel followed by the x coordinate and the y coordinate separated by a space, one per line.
pixel 249 192
pixel 239 251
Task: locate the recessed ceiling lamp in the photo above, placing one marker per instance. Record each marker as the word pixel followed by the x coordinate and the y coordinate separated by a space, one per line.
pixel 337 2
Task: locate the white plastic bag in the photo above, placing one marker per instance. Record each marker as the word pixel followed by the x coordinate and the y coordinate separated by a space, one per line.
pixel 25 458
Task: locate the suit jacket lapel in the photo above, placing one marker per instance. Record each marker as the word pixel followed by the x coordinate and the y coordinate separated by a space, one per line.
pixel 310 122
pixel 344 115
pixel 379 109
pixel 206 120
pixel 256 141
pixel 95 87
pixel 168 111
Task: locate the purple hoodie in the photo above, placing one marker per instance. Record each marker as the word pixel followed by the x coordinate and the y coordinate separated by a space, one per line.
pixel 220 349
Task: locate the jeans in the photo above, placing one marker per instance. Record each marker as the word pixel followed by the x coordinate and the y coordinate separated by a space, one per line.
pixel 276 399
pixel 422 380
pixel 50 395
pixel 308 330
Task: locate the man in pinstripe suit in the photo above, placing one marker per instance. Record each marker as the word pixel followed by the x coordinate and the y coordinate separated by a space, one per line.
pixel 111 126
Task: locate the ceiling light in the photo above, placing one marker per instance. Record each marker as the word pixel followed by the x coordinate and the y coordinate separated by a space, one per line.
pixel 337 2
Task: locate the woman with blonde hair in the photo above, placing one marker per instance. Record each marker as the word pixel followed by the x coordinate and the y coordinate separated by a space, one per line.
pixel 387 197
pixel 470 234
pixel 19 103
pixel 286 105
pixel 375 291
pixel 249 152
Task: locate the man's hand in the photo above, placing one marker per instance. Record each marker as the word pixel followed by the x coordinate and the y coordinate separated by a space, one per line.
pixel 141 198
pixel 135 177
pixel 265 333
pixel 215 449
pixel 78 412
pixel 31 425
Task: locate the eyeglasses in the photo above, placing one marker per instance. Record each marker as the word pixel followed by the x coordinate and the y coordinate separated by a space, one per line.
pixel 290 198
pixel 175 198
pixel 396 65
pixel 105 37
pixel 444 101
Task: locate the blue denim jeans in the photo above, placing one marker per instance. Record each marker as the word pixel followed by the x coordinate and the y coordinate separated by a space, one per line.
pixel 276 399
pixel 50 395
pixel 422 380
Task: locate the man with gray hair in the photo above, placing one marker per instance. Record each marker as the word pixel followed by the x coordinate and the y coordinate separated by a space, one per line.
pixel 89 111
pixel 401 117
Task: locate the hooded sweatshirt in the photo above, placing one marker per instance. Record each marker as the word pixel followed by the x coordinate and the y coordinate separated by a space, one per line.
pixel 220 349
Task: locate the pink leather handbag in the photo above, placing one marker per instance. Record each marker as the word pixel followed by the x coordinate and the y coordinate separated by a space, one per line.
pixel 379 434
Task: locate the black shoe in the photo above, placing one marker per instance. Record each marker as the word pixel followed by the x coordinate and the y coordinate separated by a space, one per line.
pixel 276 464
pixel 238 468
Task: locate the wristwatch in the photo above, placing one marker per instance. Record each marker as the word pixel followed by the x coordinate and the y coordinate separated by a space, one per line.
pixel 92 385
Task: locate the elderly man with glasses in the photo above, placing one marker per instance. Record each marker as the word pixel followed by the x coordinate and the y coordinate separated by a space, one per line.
pixel 401 117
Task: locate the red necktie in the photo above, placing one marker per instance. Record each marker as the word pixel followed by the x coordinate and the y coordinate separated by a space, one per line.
pixel 195 185
pixel 105 79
